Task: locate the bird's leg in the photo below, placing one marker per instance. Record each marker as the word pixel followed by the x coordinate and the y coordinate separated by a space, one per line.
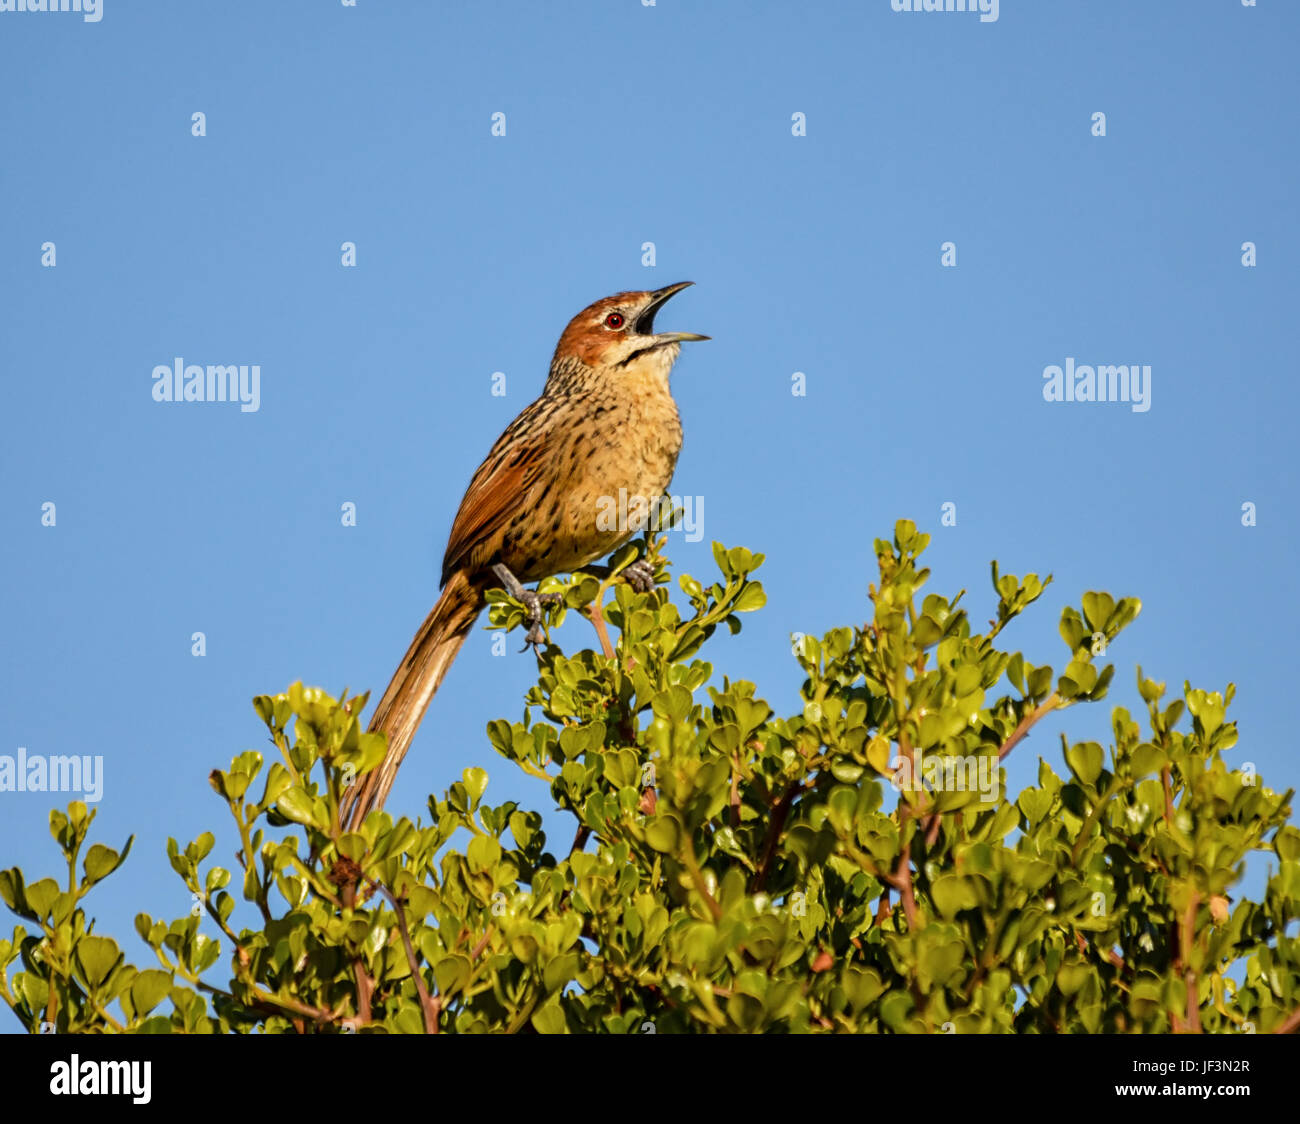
pixel 640 576
pixel 531 601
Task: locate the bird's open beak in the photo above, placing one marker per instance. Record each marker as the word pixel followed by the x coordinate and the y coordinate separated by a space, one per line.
pixel 645 323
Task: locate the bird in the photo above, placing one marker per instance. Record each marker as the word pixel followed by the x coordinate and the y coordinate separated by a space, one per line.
pixel 605 421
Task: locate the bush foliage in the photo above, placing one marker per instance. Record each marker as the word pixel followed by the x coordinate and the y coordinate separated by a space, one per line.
pixel 857 866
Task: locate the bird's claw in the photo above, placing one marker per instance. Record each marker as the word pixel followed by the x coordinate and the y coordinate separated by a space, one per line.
pixel 533 604
pixel 640 576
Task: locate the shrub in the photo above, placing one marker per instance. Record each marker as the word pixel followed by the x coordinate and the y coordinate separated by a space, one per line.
pixel 857 866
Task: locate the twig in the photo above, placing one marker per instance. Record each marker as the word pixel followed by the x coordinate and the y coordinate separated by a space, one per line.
pixel 774 828
pixel 597 617
pixel 1017 735
pixel 735 792
pixel 580 838
pixel 903 883
pixel 365 988
pixel 932 826
pixel 430 1006
pixel 1291 1023
pixel 1186 937
pixel 883 908
pixel 478 948
pixel 280 1004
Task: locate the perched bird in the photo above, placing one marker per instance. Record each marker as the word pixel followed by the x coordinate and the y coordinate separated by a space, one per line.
pixel 605 421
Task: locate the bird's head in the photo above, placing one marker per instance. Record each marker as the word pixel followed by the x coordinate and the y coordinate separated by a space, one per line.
pixel 618 333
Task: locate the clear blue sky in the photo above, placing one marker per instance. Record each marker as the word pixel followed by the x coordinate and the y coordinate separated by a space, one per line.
pixel 820 254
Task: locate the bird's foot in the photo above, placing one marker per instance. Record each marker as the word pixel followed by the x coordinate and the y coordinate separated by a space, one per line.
pixel 640 576
pixel 534 603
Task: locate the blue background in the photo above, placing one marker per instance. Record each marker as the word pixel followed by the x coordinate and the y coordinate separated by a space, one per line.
pixel 819 254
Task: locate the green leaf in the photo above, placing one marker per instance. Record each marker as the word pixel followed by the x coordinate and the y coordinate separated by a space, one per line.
pixel 149 988
pixel 1097 608
pixel 33 989
pixel 1287 844
pixel 1035 803
pixel 101 861
pixel 295 804
pixel 476 782
pixel 549 1018
pixel 1085 760
pixel 662 834
pixel 451 972
pixel 752 597
pixel 952 894
pixel 483 853
pixel 1146 760
pixel 98 956
pixel 41 896
pixel 278 780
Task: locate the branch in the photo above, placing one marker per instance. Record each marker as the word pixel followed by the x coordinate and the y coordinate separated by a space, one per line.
pixel 596 614
pixel 1291 1024
pixel 932 824
pixel 580 839
pixel 734 799
pixel 1027 722
pixel 774 828
pixel 902 881
pixel 1186 937
pixel 429 1005
pixel 478 948
pixel 280 1004
pixel 365 988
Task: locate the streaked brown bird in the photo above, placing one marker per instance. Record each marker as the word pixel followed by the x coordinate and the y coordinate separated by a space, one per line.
pixel 605 421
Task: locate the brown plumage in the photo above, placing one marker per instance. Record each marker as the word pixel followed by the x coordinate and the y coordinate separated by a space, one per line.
pixel 605 421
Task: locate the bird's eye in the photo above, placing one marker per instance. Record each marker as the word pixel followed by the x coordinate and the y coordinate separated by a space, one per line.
pixel 614 320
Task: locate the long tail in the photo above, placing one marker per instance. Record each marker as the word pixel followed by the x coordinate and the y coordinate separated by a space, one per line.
pixel 414 684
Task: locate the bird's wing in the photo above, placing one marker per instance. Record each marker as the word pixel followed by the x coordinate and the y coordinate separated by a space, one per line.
pixel 500 487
